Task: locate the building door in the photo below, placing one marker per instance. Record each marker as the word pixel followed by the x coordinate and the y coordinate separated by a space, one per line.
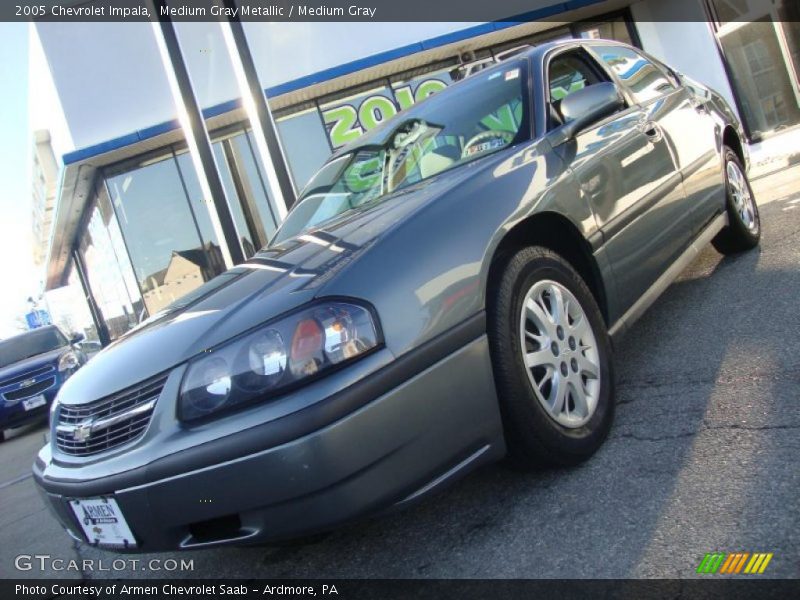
pixel 760 41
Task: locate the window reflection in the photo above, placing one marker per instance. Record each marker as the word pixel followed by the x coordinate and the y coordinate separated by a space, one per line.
pixel 305 142
pixel 163 233
pixel 254 183
pixel 642 77
pixel 69 309
pixel 199 207
pixel 760 76
pixel 166 224
pixel 120 306
pixel 244 190
pixel 239 221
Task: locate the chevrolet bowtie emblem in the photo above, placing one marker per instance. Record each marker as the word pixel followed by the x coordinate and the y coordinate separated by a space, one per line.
pixel 27 383
pixel 82 431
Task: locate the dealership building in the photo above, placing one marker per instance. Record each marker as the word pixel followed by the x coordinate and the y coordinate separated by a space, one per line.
pixel 174 166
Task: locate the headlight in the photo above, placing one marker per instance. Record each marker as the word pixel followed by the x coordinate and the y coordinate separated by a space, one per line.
pixel 68 362
pixel 276 357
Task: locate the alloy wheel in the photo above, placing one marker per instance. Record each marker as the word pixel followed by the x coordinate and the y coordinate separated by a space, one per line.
pixel 560 353
pixel 742 198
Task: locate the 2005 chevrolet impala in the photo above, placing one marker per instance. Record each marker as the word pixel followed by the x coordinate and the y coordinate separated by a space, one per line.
pixel 444 294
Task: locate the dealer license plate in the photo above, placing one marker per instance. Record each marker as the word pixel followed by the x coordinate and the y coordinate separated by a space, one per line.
pixel 35 402
pixel 102 522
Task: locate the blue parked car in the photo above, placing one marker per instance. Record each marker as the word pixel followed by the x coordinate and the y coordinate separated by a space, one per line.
pixel 33 367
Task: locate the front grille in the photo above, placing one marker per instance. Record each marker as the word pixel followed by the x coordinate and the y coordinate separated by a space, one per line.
pixel 118 419
pixel 28 375
pixel 31 390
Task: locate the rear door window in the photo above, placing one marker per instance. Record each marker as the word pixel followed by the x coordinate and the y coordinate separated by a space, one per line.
pixel 643 78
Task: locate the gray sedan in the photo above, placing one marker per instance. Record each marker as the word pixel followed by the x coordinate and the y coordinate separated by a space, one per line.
pixel 444 294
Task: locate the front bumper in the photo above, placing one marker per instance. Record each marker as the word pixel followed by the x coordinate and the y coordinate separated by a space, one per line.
pixel 411 438
pixel 13 414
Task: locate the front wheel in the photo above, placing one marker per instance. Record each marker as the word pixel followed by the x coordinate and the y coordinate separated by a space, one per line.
pixel 551 357
pixel 744 224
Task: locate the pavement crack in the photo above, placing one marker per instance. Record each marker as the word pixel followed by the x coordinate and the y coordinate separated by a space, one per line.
pixel 656 438
pixel 696 378
pixel 704 427
pixel 745 427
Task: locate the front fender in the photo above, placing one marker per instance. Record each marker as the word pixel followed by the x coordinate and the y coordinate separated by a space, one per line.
pixel 430 272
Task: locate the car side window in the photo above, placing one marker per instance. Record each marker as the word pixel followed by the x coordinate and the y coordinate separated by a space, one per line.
pixel 643 78
pixel 568 73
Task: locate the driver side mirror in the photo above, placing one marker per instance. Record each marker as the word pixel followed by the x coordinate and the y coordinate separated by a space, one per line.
pixel 585 107
pixel 77 338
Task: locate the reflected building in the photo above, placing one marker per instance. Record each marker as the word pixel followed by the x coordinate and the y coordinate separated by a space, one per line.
pixel 186 271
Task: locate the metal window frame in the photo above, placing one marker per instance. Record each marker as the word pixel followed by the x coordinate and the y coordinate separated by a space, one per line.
pixel 265 124
pixel 198 131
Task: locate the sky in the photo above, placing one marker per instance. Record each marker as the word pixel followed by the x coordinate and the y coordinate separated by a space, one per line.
pixel 18 277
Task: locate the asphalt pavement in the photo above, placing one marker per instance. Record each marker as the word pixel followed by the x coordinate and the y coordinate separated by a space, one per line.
pixel 703 457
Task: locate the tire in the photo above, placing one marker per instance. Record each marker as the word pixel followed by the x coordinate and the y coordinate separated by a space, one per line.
pixel 744 224
pixel 2 436
pixel 537 436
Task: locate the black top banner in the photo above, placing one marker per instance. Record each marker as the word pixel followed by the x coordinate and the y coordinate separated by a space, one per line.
pixel 334 10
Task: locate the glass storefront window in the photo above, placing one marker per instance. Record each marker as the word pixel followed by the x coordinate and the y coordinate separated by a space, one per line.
pixel 253 179
pixel 119 311
pixel 408 93
pixel 199 207
pixel 162 232
pixel 242 229
pixel 346 119
pixel 167 227
pixel 761 76
pixel 305 143
pixel 120 251
pixel 69 309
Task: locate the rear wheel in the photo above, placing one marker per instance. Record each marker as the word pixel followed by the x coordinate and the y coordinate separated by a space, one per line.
pixel 551 357
pixel 744 224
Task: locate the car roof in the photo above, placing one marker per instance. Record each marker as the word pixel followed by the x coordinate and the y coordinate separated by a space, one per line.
pixel 540 50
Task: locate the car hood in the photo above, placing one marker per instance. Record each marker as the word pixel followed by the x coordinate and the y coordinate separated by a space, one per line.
pixel 274 281
pixel 27 365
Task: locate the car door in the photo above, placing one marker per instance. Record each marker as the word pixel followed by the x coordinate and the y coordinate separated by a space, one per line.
pixel 627 175
pixel 693 133
pixel 688 131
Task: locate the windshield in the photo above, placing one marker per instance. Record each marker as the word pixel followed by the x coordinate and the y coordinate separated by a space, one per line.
pixel 477 117
pixel 30 344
